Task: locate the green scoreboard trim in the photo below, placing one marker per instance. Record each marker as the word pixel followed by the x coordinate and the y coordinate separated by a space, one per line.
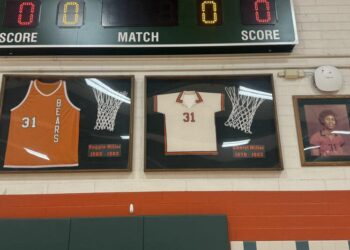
pixel 21 34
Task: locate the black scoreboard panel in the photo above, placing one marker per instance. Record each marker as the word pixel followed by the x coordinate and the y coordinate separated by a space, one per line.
pixel 144 13
pixel 146 26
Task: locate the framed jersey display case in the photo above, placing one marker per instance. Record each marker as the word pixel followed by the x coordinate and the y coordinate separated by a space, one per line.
pixel 211 123
pixel 323 127
pixel 66 123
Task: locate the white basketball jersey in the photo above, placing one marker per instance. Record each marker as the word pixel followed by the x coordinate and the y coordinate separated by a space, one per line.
pixel 189 121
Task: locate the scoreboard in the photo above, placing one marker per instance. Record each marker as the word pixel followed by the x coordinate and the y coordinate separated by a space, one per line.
pixel 146 26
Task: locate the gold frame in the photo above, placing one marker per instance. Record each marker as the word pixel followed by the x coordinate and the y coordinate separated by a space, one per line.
pixel 296 99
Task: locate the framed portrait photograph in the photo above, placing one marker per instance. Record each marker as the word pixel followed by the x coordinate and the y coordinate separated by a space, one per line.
pixel 66 123
pixel 323 129
pixel 211 123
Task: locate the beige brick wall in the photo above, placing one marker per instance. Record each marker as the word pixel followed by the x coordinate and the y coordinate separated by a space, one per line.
pixel 324 27
pixel 324 34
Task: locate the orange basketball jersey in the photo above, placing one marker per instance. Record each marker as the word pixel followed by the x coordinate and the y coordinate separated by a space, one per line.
pixel 44 129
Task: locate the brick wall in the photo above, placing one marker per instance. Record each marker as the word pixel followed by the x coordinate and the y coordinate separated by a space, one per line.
pixel 324 27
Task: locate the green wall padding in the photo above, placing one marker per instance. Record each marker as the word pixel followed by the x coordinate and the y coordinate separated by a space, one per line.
pixel 185 233
pixel 116 233
pixel 34 234
pixel 123 233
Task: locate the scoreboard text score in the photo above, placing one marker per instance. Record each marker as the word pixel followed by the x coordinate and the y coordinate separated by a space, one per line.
pixel 129 26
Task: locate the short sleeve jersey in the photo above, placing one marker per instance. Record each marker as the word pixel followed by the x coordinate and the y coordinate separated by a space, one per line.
pixel 328 145
pixel 189 121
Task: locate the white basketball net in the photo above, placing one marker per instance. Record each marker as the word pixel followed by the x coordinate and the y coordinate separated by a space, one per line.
pixel 107 109
pixel 243 110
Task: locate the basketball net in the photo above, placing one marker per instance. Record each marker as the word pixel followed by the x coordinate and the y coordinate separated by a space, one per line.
pixel 243 110
pixel 107 109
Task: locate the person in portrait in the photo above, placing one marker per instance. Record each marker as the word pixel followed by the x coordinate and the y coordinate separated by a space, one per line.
pixel 325 142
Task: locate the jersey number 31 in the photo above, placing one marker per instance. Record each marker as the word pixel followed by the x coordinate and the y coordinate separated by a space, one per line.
pixel 188 117
pixel 28 122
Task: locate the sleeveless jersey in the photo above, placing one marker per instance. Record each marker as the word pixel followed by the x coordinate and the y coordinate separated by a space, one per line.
pixel 44 129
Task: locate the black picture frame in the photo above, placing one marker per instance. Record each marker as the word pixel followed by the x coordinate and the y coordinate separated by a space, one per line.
pixel 93 141
pixel 235 149
pixel 323 128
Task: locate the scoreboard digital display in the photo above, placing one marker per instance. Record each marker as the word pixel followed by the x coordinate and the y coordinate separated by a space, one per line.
pixel 70 14
pixel 146 26
pixel 131 13
pixel 258 11
pixel 22 14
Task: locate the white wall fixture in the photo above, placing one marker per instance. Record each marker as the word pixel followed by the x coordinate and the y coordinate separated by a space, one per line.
pixel 328 78
pixel 131 208
pixel 291 74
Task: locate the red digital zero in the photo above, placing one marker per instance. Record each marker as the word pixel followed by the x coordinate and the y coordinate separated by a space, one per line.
pixel 22 13
pixel 258 12
pixel 263 16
